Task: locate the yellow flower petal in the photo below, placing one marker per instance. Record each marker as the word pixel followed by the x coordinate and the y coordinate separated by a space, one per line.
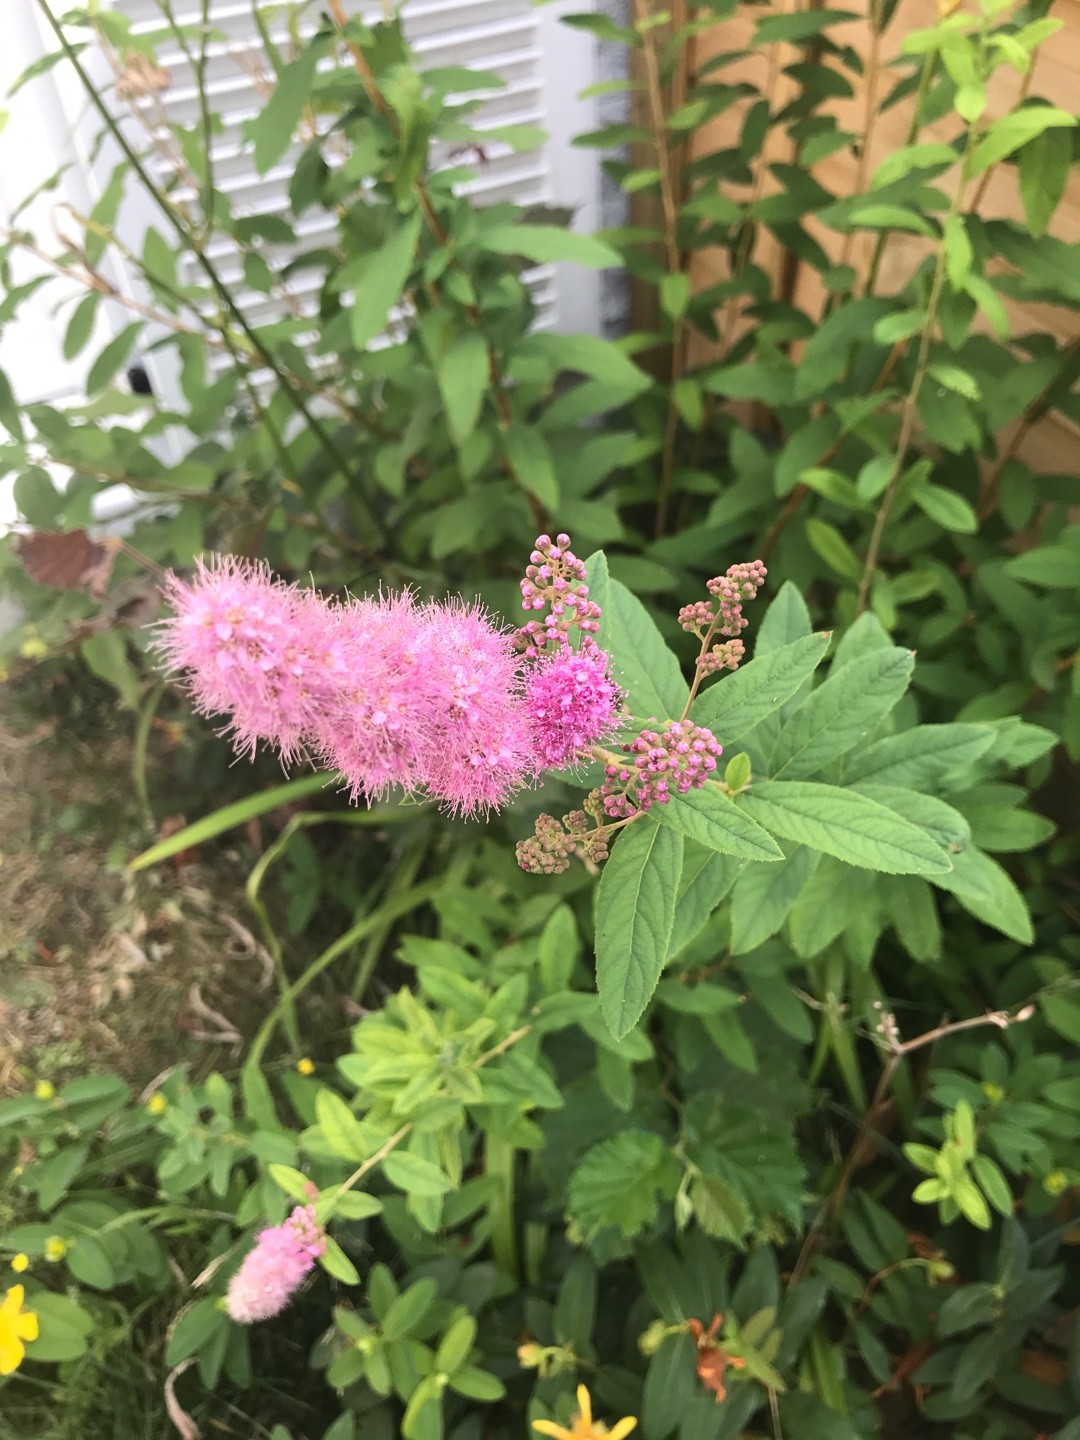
pixel 548 1427
pixel 26 1326
pixel 622 1427
pixel 13 1300
pixel 11 1353
pixel 584 1400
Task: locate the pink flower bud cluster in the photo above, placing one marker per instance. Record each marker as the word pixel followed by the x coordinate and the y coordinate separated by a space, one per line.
pixel 555 581
pixel 275 1269
pixel 679 757
pixel 391 692
pixel 741 583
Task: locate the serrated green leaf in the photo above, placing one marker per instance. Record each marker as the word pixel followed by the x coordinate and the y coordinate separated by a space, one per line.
pixel 844 824
pixel 619 1182
pixel 921 757
pixel 731 707
pixel 763 897
pixel 983 888
pixel 713 819
pixel 635 913
pixel 642 663
pixel 845 710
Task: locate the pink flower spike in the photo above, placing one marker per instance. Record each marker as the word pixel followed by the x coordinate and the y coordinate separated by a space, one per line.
pixel 275 1269
pixel 381 719
pixel 478 748
pixel 249 647
pixel 572 703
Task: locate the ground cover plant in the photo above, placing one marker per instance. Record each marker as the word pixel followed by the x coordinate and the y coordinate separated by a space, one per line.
pixel 682 1026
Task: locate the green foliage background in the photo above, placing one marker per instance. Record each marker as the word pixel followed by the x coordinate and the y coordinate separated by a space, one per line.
pixel 806 1055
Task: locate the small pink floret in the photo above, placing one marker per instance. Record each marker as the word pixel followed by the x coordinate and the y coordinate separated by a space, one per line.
pixel 275 1269
pixel 573 703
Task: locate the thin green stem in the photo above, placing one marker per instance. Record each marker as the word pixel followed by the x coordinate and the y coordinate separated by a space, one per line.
pixel 910 411
pixel 925 78
pixel 391 910
pixel 404 873
pixel 138 755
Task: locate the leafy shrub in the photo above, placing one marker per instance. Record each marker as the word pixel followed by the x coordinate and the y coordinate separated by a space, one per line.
pixel 798 1152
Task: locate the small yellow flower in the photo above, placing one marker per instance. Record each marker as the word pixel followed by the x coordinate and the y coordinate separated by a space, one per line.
pixel 1056 1183
pixel 157 1104
pixel 306 1066
pixel 33 648
pixel 55 1248
pixel 44 1090
pixel 16 1325
pixel 20 1262
pixel 583 1426
pixel 994 1093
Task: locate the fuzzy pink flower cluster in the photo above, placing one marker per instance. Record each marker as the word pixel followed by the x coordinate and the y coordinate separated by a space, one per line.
pixel 274 1270
pixel 392 692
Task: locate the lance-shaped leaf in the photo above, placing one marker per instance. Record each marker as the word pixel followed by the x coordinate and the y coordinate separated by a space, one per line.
pixel 848 708
pixel 635 912
pixel 731 707
pixel 845 824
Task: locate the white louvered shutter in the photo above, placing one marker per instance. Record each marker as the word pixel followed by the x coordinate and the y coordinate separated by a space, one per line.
pixel 544 66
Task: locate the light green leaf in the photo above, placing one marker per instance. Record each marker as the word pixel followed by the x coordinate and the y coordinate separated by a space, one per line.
pixel 984 889
pixel 1008 133
pixel 635 912
pixel 548 245
pixel 955 379
pixel 272 129
pixel 940 821
pixel 763 897
pixel 336 1263
pixel 463 378
pixel 340 1128
pixel 379 277
pixel 641 661
pixel 846 709
pixel 619 1181
pixel 732 706
pixel 63 1328
pixel 844 824
pixel 712 818
pixel 414 1174
pixel 949 510
pixel 786 620
pixel 922 757
pixel 530 459
pixel 1054 567
pixel 826 541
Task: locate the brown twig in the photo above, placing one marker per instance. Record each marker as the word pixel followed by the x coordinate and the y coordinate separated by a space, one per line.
pixel 896 1051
